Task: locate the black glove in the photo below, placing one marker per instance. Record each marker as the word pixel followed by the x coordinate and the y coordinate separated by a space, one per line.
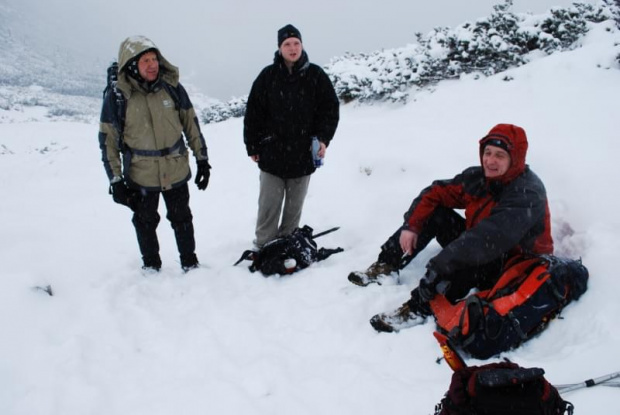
pixel 121 194
pixel 428 285
pixel 202 174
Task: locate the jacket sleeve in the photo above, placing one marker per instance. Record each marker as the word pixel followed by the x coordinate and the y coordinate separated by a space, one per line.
pixel 328 109
pixel 255 126
pixel 518 210
pixel 447 193
pixel 191 125
pixel 108 138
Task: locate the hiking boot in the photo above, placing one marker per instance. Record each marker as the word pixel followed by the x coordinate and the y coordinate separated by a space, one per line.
pixel 150 270
pixel 402 318
pixel 189 262
pixel 152 263
pixel 377 273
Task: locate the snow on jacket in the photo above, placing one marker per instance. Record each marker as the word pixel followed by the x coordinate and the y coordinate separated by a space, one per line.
pixel 284 111
pixel 504 217
pixel 156 157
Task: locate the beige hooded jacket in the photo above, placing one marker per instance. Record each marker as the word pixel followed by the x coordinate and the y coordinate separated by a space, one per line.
pixel 156 157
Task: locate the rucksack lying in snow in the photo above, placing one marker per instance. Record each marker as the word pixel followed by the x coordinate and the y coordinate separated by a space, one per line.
pixel 501 388
pixel 288 254
pixel 529 294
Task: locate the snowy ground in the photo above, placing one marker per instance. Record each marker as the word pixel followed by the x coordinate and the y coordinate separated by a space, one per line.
pixel 221 340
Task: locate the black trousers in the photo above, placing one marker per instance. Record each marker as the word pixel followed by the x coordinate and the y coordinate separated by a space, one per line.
pixel 444 225
pixel 146 219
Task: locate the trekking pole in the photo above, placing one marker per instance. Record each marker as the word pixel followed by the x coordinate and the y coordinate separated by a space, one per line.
pixel 589 383
pixel 325 232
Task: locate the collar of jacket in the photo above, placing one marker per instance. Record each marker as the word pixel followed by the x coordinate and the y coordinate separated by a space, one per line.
pixel 298 68
pixel 146 87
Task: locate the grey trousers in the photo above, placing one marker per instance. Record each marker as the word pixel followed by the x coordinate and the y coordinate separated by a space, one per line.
pixel 273 192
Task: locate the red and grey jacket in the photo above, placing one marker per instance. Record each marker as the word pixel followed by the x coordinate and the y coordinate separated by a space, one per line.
pixel 504 217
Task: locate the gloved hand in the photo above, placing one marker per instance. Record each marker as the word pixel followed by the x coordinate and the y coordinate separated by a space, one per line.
pixel 428 285
pixel 121 194
pixel 202 174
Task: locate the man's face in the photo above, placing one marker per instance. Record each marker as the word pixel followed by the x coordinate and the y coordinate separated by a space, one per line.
pixel 291 49
pixel 495 161
pixel 148 66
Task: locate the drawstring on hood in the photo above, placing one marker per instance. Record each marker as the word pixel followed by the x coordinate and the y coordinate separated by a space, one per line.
pixel 513 139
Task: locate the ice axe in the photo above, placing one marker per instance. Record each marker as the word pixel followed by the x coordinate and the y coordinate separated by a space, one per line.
pixel 452 356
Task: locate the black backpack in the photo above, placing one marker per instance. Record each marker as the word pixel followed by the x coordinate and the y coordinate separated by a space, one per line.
pixel 288 254
pixel 502 388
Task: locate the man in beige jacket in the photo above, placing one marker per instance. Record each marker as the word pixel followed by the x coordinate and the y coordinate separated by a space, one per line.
pixel 143 120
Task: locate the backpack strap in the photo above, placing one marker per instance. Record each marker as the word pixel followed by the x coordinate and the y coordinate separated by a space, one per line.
pixel 247 255
pixel 174 94
pixel 530 278
pixel 515 271
pixel 325 253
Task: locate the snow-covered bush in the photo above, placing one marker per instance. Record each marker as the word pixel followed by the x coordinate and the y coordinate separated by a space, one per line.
pixel 487 46
pixel 616 16
pixel 220 111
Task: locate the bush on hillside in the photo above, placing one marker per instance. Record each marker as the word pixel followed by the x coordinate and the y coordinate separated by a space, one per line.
pixel 488 46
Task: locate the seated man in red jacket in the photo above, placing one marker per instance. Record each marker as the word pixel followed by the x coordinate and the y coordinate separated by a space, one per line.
pixel 506 213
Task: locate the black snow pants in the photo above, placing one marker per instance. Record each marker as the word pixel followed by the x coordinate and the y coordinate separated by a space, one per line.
pixel 444 225
pixel 146 219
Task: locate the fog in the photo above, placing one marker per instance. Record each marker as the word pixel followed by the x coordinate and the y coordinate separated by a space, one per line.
pixel 221 45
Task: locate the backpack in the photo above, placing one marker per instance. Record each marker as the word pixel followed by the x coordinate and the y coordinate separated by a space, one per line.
pixel 529 294
pixel 288 254
pixel 502 388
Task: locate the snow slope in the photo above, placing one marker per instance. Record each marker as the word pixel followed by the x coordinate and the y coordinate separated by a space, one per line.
pixel 221 340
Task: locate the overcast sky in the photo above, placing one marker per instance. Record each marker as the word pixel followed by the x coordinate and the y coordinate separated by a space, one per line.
pixel 220 46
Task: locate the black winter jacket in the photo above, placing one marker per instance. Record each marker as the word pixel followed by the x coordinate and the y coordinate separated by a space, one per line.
pixel 284 111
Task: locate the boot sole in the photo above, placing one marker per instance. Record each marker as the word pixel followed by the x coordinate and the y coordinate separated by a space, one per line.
pixel 355 279
pixel 381 326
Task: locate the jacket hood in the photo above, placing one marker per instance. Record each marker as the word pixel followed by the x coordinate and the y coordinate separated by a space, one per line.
pixel 134 46
pixel 514 139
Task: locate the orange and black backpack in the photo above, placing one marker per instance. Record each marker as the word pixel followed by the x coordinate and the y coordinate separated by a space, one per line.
pixel 529 294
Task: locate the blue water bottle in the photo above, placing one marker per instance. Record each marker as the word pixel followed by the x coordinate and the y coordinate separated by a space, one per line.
pixel 318 161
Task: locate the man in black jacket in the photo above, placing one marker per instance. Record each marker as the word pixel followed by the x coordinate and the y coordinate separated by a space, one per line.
pixel 291 102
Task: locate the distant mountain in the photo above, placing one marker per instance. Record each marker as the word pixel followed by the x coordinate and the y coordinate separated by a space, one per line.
pixel 26 61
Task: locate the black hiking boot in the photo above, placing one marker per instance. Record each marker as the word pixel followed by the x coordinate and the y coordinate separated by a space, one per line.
pixel 152 263
pixel 401 318
pixel 377 273
pixel 189 262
